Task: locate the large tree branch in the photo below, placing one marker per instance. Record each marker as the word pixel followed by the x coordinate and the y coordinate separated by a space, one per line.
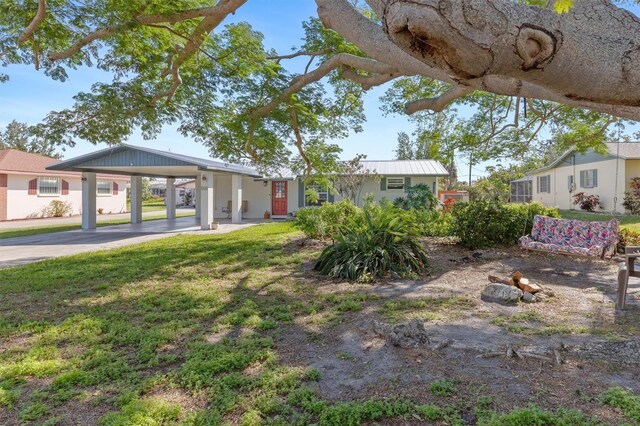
pixel 336 61
pixel 299 142
pixel 438 103
pixel 576 58
pixel 369 81
pixel 35 22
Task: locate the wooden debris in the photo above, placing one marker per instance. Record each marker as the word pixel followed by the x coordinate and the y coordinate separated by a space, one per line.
pixel 558 357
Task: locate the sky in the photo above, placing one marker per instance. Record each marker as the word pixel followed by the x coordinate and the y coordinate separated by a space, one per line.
pixel 30 95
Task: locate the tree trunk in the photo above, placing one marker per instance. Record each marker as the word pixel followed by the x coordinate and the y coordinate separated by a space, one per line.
pixel 590 55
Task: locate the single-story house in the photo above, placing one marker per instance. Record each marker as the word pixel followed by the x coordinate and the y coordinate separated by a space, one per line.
pixel 453 194
pixel 27 188
pixel 186 193
pixel 220 187
pixel 605 175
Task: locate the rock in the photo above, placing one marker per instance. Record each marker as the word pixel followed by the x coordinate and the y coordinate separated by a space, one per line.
pixel 501 293
pixel 517 276
pixel 541 297
pixel 528 297
pixel 409 335
pixel 526 286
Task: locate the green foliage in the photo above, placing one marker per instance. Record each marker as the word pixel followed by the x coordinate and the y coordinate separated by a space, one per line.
pixel 586 202
pixel 537 416
pixel 58 208
pixel 143 413
pixel 632 198
pixel 623 399
pixel 324 222
pixel 379 241
pixel 481 224
pixel 419 197
pixel 442 387
pixel 627 237
pixel 18 136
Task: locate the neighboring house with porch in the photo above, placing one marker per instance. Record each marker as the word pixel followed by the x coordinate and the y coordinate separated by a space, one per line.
pixel 27 188
pixel 606 175
pixel 220 187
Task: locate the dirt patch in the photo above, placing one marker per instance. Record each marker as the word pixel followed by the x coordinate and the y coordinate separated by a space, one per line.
pixel 564 350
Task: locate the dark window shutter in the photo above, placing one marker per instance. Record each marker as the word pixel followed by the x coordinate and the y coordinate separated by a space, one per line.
pixel 330 196
pixel 115 188
pixel 407 183
pixel 537 184
pixel 300 193
pixel 33 187
pixel 65 187
pixel 383 184
pixel 595 178
pixel 582 178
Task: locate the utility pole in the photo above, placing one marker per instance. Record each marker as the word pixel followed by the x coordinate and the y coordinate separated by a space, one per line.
pixel 470 164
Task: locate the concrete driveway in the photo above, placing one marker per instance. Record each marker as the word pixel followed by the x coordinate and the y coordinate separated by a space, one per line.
pixel 23 250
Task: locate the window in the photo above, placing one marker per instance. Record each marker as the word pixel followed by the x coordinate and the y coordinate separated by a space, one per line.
pixel 323 195
pixel 103 187
pixel 395 183
pixel 589 178
pixel 48 186
pixel 570 184
pixel 544 183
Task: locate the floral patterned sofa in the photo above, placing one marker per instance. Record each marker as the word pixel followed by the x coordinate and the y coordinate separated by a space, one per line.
pixel 572 236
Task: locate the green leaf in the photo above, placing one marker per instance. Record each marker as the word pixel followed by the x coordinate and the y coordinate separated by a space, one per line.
pixel 563 6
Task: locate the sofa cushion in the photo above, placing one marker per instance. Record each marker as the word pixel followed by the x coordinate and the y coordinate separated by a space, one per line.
pixel 579 235
pixel 538 226
pixel 548 233
pixel 558 248
pixel 603 233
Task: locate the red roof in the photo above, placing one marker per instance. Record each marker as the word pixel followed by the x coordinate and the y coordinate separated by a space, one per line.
pixel 13 161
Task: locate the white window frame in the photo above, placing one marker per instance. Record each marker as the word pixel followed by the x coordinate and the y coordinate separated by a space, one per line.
pixel 321 191
pixel 548 188
pixel 397 186
pixel 59 186
pixel 589 178
pixel 98 188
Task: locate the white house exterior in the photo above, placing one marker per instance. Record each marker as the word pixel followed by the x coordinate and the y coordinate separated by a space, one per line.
pixel 27 187
pixel 605 175
pixel 225 190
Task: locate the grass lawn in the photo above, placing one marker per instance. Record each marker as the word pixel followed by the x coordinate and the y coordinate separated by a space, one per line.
pixel 154 205
pixel 214 329
pixel 630 222
pixel 36 230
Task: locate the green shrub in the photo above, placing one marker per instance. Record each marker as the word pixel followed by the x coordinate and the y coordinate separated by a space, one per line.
pixel 481 224
pixel 380 240
pixel 627 237
pixel 419 197
pixel 623 399
pixel 325 221
pixel 432 223
pixel 58 208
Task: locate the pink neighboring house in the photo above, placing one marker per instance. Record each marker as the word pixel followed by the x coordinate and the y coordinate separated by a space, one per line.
pixel 27 187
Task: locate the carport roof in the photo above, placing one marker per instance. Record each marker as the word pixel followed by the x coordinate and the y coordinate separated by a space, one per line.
pixel 134 160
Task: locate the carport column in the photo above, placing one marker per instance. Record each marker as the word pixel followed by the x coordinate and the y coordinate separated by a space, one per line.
pixel 236 199
pixel 197 196
pixel 207 184
pixel 136 199
pixel 88 201
pixel 170 199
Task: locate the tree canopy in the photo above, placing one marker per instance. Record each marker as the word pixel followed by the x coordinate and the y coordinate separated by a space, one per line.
pixel 524 68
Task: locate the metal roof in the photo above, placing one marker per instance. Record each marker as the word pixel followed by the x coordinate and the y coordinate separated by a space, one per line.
pixel 626 150
pixel 129 158
pixel 405 167
pixel 383 168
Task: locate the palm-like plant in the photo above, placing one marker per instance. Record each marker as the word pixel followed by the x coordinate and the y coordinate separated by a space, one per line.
pixel 379 241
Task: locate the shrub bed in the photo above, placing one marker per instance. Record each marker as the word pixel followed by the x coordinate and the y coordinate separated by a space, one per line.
pixel 324 222
pixel 482 224
pixel 380 240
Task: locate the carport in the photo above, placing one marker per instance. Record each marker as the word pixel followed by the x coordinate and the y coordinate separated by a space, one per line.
pixel 138 162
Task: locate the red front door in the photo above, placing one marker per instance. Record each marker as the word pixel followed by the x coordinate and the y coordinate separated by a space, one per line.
pixel 279 197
